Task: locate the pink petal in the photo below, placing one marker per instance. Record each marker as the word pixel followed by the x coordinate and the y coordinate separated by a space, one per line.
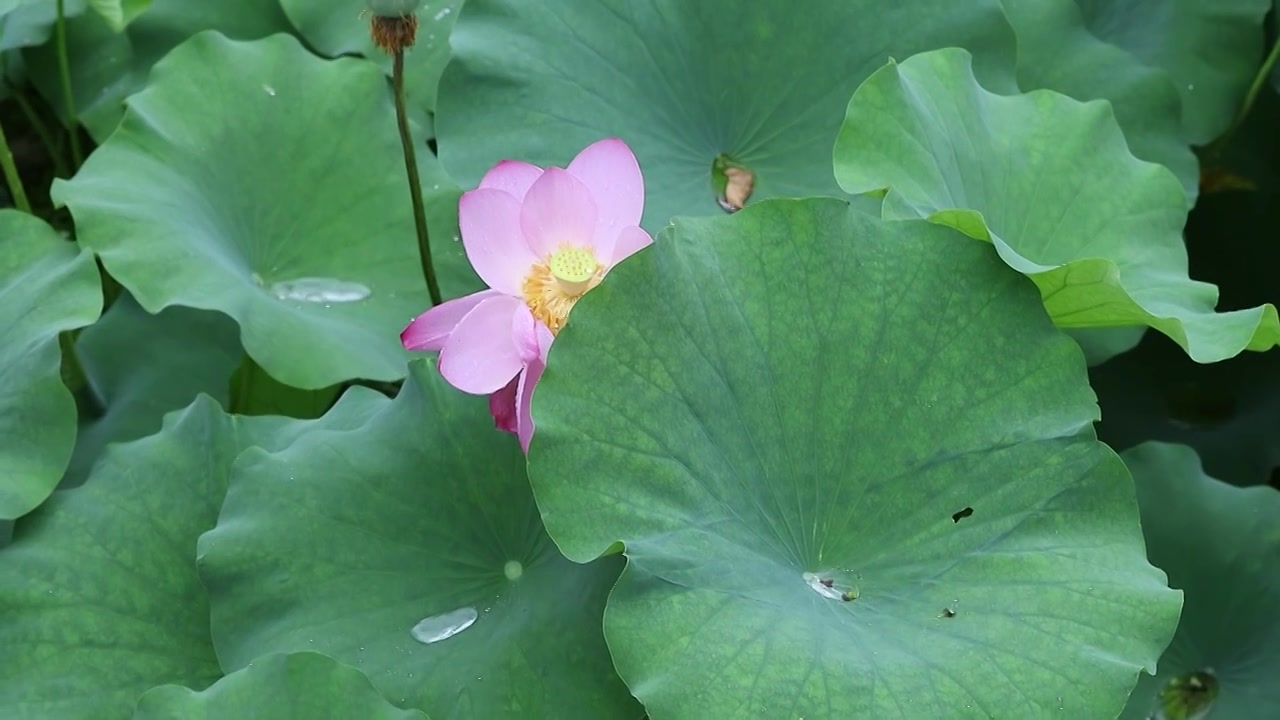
pixel 490 223
pixel 558 211
pixel 429 330
pixel 480 355
pixel 545 337
pixel 524 328
pixel 524 401
pixel 609 169
pixel 503 406
pixel 512 176
pixel 630 241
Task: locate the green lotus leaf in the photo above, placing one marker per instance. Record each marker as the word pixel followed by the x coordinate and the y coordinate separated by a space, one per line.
pixel 107 66
pixel 294 219
pixel 1228 412
pixel 300 686
pixel 47 286
pixel 1211 50
pixel 328 27
pixel 1220 545
pixel 1051 183
pixel 412 549
pixel 685 83
pixel 139 367
pixel 99 587
pixel 1057 52
pixel 119 13
pixel 24 23
pixel 852 465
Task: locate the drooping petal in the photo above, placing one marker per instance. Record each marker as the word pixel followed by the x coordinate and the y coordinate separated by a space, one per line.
pixel 609 170
pixel 545 336
pixel 489 220
pixel 558 210
pixel 630 241
pixel 480 355
pixel 431 329
pixel 532 338
pixel 524 400
pixel 503 406
pixel 512 176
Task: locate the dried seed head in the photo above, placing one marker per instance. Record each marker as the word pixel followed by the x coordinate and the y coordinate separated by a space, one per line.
pixel 394 33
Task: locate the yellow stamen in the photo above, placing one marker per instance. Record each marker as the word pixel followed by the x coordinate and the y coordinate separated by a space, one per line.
pixel 553 287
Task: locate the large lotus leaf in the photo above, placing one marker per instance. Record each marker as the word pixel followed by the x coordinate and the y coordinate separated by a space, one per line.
pixel 1228 412
pixel 47 286
pixel 328 27
pixel 1211 50
pixel 299 686
pixel 413 550
pixel 140 366
pixel 763 83
pixel 99 588
pixel 1057 52
pixel 852 466
pixel 107 66
pixel 24 23
pixel 1221 546
pixel 294 219
pixel 1051 182
pixel 119 12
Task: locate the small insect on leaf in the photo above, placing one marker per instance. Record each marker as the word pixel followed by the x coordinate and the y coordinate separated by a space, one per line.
pixel 1188 697
pixel 733 183
pixel 948 613
pixel 957 517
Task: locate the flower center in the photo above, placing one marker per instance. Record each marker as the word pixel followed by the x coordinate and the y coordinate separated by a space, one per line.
pixel 553 287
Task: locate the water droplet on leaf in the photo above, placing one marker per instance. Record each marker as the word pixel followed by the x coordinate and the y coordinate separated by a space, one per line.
pixel 320 290
pixel 443 626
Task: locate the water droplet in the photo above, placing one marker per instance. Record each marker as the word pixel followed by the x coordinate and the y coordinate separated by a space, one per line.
pixel 443 13
pixel 817 585
pixel 320 290
pixel 513 570
pixel 444 626
pixel 269 90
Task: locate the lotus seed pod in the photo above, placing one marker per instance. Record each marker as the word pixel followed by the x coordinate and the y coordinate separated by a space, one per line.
pixel 392 8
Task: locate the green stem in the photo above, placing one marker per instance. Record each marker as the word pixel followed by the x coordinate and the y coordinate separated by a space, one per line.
pixel 42 131
pixel 68 100
pixel 11 176
pixel 1258 82
pixel 415 184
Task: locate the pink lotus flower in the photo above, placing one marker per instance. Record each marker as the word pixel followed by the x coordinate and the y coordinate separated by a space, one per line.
pixel 540 239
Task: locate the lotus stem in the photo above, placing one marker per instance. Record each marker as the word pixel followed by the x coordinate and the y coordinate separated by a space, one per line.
pixel 415 183
pixel 11 176
pixel 68 100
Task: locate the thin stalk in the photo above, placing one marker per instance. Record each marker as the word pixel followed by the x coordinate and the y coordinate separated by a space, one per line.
pixel 415 184
pixel 42 131
pixel 1258 82
pixel 64 71
pixel 11 176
